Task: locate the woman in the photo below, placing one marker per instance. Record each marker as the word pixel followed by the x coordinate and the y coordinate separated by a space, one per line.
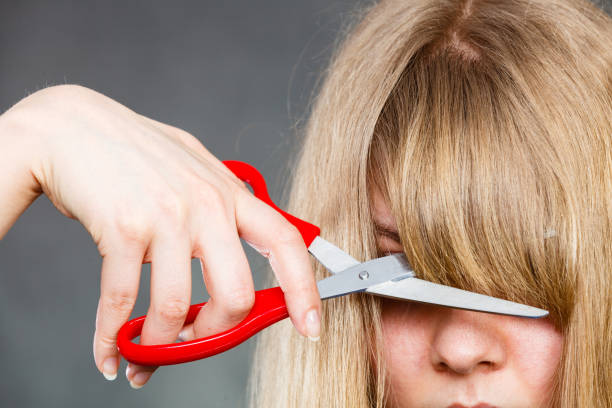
pixel 474 137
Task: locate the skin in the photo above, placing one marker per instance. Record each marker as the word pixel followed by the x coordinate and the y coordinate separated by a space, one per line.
pixel 72 144
pixel 437 356
pixel 148 192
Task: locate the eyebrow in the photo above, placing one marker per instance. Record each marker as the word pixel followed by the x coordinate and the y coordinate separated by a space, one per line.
pixel 387 231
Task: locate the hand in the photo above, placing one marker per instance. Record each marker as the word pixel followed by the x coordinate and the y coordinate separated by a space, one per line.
pixel 150 192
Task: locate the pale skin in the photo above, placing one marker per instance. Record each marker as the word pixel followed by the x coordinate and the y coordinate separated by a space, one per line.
pixel 148 192
pixel 437 356
pixel 96 160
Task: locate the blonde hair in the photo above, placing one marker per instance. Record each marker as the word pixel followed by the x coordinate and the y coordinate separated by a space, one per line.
pixel 488 128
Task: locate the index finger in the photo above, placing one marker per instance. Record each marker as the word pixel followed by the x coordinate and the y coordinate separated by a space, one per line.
pixel 277 239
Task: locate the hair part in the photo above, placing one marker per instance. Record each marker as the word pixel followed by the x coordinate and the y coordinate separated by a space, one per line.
pixel 488 128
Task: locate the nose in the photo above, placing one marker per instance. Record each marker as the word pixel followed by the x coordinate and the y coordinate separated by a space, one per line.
pixel 466 341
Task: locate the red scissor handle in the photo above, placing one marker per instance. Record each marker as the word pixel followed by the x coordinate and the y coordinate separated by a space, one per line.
pixel 253 177
pixel 268 309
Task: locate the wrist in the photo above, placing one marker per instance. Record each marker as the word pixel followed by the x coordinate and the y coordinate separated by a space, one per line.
pixel 19 154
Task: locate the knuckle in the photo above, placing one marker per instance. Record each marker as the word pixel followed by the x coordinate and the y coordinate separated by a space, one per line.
pixel 173 208
pixel 188 139
pixel 240 185
pixel 173 310
pixel 107 342
pixel 211 198
pixel 289 236
pixel 132 228
pixel 238 304
pixel 120 302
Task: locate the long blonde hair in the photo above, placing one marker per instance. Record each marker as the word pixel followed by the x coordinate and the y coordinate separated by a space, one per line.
pixel 488 127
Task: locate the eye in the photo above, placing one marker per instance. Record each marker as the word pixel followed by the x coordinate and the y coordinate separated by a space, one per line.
pixel 388 243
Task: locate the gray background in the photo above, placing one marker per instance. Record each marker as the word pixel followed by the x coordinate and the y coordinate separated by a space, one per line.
pixel 238 75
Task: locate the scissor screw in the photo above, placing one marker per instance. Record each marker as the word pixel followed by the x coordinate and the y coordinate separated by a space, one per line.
pixel 363 275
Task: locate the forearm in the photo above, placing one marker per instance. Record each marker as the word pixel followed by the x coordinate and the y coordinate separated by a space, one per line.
pixel 18 186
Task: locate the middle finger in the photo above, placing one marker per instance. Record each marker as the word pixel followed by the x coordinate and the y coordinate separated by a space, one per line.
pixel 170 297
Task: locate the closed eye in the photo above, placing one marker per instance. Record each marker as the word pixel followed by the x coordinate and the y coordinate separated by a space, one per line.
pixel 387 240
pixel 387 232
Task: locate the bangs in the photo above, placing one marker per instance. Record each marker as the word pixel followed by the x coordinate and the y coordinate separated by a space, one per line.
pixel 475 183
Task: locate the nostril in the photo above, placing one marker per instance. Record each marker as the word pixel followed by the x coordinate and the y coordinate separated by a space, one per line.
pixel 463 363
pixel 442 366
pixel 487 365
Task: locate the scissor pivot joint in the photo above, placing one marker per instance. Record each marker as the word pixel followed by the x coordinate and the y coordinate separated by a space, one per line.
pixel 363 275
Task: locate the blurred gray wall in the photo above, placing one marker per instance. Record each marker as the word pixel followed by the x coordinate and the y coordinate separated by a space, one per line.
pixel 236 74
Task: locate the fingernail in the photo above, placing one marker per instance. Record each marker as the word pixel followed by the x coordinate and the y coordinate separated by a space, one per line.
pixel 313 325
pixel 128 371
pixel 139 379
pixel 183 335
pixel 109 368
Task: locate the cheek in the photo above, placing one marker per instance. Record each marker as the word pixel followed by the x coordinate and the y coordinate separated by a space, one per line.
pixel 406 347
pixel 535 348
pixel 531 352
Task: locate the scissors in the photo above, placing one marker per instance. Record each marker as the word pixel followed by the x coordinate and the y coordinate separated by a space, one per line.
pixel 389 276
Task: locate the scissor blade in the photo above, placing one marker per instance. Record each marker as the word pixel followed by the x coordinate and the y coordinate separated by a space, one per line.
pixel 363 275
pixel 333 258
pixel 429 292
